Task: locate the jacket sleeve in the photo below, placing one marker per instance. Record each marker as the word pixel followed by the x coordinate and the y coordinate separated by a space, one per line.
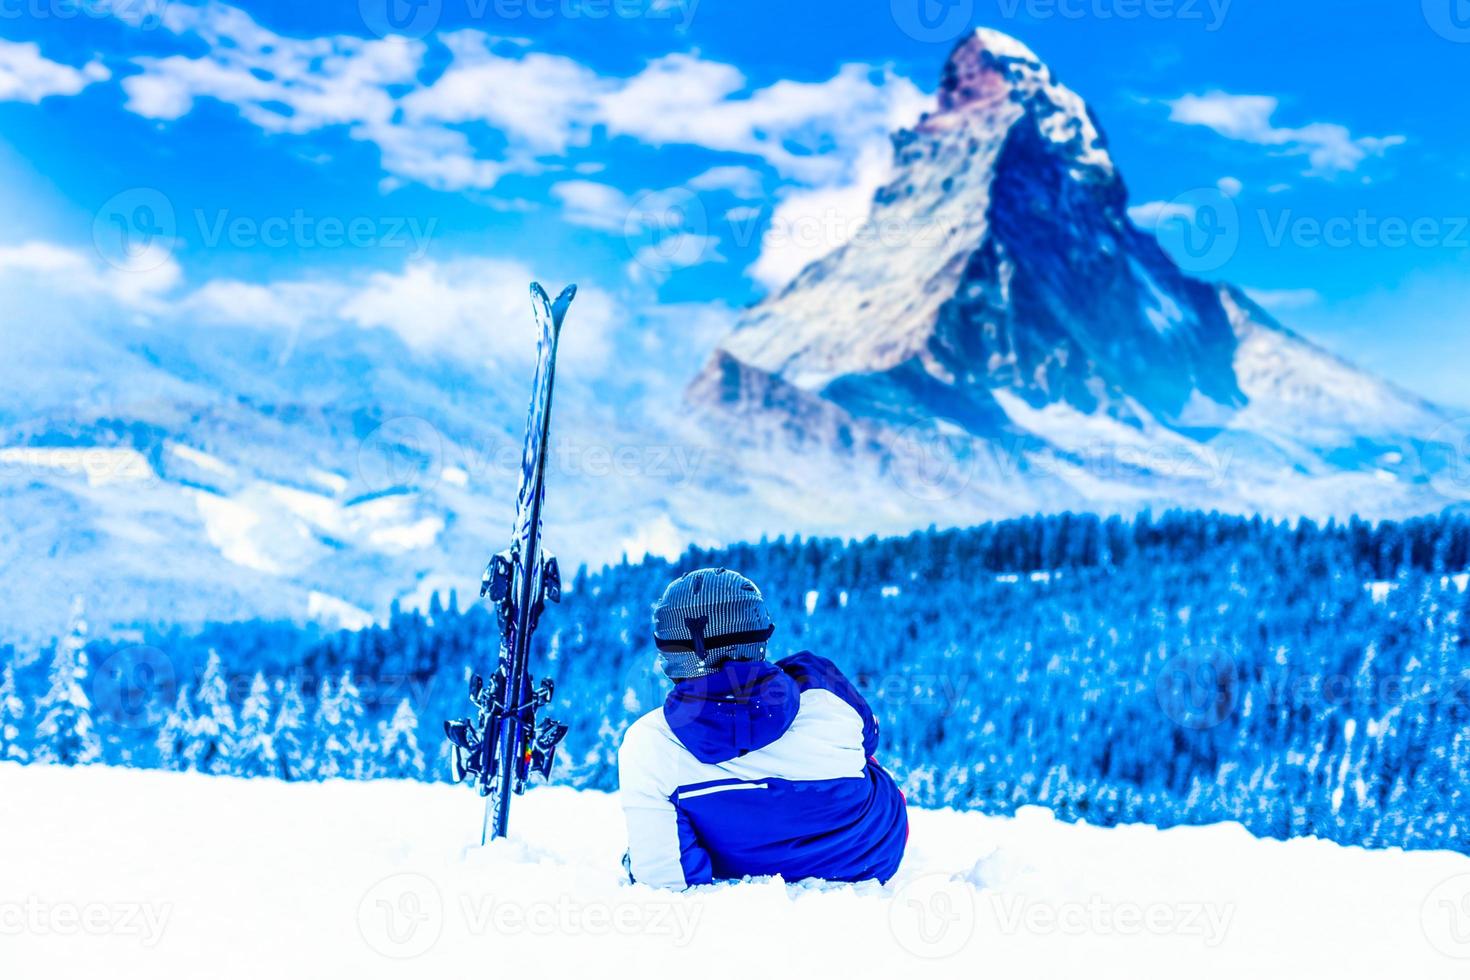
pixel 813 672
pixel 662 848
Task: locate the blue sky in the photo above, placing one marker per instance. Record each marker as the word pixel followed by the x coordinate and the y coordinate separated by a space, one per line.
pixel 295 163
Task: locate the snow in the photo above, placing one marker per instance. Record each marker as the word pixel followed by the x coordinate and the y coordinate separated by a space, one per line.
pixel 231 527
pixel 1004 46
pixel 659 536
pixel 408 537
pixel 201 459
pixel 1380 591
pixel 1303 391
pixel 1164 314
pixel 193 876
pixel 333 611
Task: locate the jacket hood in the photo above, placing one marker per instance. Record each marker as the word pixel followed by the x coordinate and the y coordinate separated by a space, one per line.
pixel 742 707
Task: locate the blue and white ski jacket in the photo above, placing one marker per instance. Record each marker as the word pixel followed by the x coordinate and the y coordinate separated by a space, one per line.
pixel 760 769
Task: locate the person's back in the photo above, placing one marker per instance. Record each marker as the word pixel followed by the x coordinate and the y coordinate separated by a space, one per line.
pixel 752 768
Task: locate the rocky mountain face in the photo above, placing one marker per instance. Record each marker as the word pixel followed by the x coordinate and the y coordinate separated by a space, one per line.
pixel 1000 290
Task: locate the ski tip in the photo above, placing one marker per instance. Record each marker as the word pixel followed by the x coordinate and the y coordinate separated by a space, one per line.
pixel 568 294
pixel 538 295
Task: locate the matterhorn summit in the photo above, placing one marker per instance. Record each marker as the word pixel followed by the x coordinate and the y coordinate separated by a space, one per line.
pixel 1004 294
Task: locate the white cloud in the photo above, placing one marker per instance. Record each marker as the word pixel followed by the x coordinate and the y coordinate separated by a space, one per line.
pixel 1230 186
pixel 653 263
pixel 540 104
pixel 82 274
pixel 27 76
pixel 1330 148
pixel 808 224
pixel 1285 299
pixel 666 229
pixel 478 306
pixel 740 181
pixel 680 98
pixel 593 205
pixel 1151 214
pixel 279 304
pixel 543 102
pixel 301 85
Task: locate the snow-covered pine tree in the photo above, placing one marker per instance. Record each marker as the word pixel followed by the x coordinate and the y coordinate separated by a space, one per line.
pixel 332 755
pixel 294 756
pixel 173 734
pixel 12 714
pixel 255 748
pixel 400 755
pixel 361 761
pixel 64 733
pixel 210 746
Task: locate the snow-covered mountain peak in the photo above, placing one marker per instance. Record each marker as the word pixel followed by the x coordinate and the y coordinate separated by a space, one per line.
pixel 1013 302
pixel 988 68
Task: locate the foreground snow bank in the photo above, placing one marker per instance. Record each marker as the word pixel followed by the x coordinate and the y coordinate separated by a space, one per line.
pixel 118 873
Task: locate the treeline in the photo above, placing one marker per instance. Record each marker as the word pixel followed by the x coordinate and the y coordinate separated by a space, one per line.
pixel 1301 679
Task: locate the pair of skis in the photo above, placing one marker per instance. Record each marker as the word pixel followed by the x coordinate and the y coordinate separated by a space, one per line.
pixel 505 742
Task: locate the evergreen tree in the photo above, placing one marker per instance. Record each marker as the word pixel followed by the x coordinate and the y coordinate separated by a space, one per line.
pixel 294 759
pixel 12 715
pixel 64 733
pixel 210 746
pixel 399 753
pixel 173 734
pixel 255 748
pixel 333 755
pixel 360 761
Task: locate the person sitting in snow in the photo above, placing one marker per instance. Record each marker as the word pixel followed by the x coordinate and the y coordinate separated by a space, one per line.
pixel 750 767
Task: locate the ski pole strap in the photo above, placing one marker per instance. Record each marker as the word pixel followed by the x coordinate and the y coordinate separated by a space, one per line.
pixel 700 642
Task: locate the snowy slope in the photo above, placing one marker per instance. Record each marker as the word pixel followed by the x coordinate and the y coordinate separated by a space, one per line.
pixel 194 876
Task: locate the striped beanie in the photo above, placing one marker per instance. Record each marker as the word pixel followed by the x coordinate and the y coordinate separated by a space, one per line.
pixel 707 617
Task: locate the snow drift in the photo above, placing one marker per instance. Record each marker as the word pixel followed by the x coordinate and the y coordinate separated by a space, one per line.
pixel 120 873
